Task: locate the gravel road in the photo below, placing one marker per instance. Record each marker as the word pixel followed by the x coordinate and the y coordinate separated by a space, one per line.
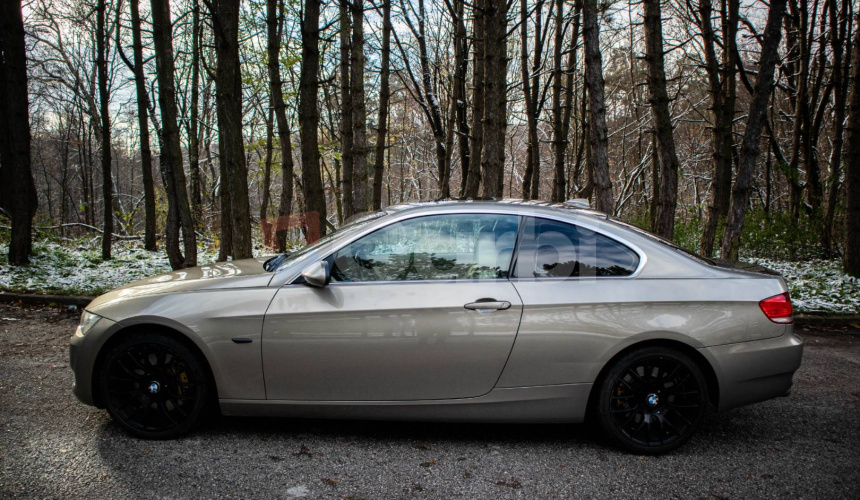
pixel 52 446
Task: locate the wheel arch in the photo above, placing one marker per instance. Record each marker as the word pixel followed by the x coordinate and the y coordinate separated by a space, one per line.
pixel 148 327
pixel 700 360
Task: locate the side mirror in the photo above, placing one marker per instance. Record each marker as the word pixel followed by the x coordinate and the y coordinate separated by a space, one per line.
pixel 317 274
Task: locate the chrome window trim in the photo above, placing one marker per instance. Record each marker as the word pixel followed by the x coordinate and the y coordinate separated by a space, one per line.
pixel 643 258
pixel 514 210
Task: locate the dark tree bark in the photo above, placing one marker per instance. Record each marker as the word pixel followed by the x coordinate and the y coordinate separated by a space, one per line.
pixel 750 145
pixel 476 146
pixel 796 23
pixel 838 40
pixel 136 67
pixel 461 54
pixel 531 176
pixel 359 114
pixel 178 211
pixel 228 96
pixel 346 111
pixel 193 125
pixel 429 102
pixel 384 98
pixel 225 224
pixel 598 138
pixel 851 258
pixel 18 197
pixel 275 23
pixel 562 95
pixel 495 88
pixel 265 196
pixel 104 112
pixel 561 146
pixel 722 86
pixel 664 225
pixel 314 192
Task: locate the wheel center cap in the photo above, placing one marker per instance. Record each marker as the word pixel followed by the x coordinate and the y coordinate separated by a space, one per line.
pixel 652 399
pixel 154 387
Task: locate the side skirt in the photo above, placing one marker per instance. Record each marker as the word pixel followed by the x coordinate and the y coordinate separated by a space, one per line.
pixel 543 404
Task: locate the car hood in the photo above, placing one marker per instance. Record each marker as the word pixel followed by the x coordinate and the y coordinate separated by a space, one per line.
pixel 236 274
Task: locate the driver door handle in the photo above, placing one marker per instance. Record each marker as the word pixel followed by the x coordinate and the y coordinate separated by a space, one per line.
pixel 489 306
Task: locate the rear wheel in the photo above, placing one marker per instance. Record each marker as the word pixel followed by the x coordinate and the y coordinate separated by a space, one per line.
pixel 154 386
pixel 652 400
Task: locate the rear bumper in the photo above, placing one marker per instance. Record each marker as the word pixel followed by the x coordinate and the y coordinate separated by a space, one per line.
pixel 749 372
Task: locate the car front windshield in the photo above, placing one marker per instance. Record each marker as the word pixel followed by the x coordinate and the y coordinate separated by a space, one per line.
pixel 353 225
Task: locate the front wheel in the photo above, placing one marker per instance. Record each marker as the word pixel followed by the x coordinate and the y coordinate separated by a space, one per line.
pixel 652 400
pixel 154 386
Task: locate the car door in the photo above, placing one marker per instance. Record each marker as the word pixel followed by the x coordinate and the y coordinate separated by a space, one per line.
pixel 579 302
pixel 419 309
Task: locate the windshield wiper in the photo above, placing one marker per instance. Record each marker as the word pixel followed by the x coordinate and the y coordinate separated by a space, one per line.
pixel 273 263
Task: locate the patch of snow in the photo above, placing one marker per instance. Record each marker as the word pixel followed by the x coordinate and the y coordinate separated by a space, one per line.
pixel 817 286
pixel 80 270
pixel 298 491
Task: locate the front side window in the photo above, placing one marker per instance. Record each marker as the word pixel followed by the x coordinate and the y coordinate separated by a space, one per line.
pixel 552 249
pixel 436 247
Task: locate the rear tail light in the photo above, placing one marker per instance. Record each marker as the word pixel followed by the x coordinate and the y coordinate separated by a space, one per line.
pixel 777 308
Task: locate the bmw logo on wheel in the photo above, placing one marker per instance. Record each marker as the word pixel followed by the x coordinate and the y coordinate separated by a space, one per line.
pixel 652 399
pixel 154 387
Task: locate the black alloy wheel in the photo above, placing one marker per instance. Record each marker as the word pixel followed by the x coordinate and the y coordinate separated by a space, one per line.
pixel 154 386
pixel 652 400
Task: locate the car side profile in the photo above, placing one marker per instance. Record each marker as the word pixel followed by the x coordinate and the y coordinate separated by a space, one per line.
pixel 482 311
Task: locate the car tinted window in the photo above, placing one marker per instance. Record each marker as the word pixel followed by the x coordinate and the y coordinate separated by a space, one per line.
pixel 552 249
pixel 437 247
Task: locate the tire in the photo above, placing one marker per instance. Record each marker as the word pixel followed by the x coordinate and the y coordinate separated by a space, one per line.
pixel 652 400
pixel 154 386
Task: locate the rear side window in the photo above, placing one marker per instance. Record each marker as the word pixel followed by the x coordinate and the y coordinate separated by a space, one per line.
pixel 552 249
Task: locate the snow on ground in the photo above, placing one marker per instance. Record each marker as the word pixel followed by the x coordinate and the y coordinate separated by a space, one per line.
pixel 816 286
pixel 79 269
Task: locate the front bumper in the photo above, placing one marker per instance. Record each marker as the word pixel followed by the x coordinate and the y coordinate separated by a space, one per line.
pixel 83 350
pixel 749 372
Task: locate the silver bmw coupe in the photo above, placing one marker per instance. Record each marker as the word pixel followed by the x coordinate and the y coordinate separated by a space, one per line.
pixel 449 311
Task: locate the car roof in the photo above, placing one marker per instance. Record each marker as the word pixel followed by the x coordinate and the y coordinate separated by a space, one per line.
pixel 514 205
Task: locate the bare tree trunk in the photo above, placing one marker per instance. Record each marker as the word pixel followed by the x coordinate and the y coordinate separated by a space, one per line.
pixel 851 258
pixel 559 141
pixel 431 106
pixel 567 107
pixel 476 147
pixel 275 23
pixel 312 185
pixel 18 197
pixel 755 122
pixel 267 175
pixel 461 52
pixel 359 114
pixel 798 68
pixel 384 97
pixel 722 84
pixel 495 88
pixel 193 126
pixel 104 112
pixel 228 92
pixel 532 164
pixel 598 139
pixel 838 40
pixel 346 111
pixel 664 225
pixel 179 212
pixel 150 230
pixel 225 225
